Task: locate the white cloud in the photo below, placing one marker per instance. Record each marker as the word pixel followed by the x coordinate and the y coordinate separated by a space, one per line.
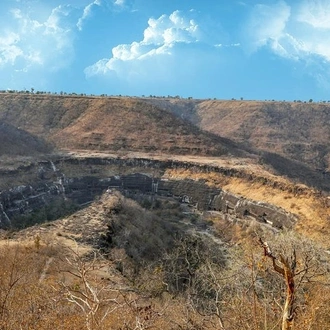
pixel 120 3
pixel 9 50
pixel 169 29
pixel 315 13
pixel 159 41
pixel 227 45
pixel 28 43
pixel 300 33
pixel 267 25
pixel 176 52
pixel 293 32
pixel 87 13
pixel 58 29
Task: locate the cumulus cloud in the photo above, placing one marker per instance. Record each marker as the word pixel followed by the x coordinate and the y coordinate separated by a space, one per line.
pixel 160 41
pixel 298 32
pixel 87 13
pixel 267 25
pixel 28 42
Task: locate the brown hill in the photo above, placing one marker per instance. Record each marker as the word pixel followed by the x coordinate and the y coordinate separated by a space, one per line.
pixel 289 139
pixel 56 267
pixel 17 142
pixel 109 124
pixel 296 130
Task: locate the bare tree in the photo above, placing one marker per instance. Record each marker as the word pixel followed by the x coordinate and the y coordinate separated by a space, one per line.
pixel 96 298
pixel 287 269
pixel 296 270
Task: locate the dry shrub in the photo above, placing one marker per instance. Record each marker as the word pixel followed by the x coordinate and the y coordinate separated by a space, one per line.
pixel 195 287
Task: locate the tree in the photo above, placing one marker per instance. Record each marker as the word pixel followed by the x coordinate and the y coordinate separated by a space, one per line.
pixel 299 265
pixel 95 298
pixel 287 269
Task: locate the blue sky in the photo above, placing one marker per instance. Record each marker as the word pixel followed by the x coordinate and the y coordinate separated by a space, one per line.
pixel 221 49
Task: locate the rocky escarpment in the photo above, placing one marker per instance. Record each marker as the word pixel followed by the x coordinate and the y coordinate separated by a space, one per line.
pixel 247 209
pixel 54 189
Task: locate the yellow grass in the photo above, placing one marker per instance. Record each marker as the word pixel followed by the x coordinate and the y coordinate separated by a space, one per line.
pixel 312 210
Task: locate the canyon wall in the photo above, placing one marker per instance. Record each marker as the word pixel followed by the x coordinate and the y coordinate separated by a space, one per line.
pixel 53 184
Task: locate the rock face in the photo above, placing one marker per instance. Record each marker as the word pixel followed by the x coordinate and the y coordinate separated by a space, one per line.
pixel 248 209
pixel 22 200
pixel 195 193
pixel 54 189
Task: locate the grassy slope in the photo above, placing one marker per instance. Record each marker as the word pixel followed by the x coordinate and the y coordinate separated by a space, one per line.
pixel 296 130
pixel 16 142
pixel 109 124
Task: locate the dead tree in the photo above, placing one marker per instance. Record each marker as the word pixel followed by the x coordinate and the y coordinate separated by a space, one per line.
pixel 96 298
pixel 286 267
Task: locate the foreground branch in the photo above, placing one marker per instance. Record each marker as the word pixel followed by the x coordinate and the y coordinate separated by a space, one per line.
pixel 287 270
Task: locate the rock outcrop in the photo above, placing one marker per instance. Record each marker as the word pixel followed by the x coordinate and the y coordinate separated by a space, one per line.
pixel 247 209
pixel 54 185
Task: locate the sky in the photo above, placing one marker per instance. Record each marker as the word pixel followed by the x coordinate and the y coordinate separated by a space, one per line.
pixel 224 49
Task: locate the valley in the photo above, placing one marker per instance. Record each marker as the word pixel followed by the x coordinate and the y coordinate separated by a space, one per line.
pixel 161 200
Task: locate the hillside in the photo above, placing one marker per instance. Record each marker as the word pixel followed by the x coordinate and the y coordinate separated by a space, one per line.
pixel 17 142
pixel 296 130
pixel 145 216
pixel 276 134
pixel 109 124
pixel 116 265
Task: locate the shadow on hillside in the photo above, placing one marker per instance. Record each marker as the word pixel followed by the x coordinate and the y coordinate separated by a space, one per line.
pixel 297 171
pixel 16 141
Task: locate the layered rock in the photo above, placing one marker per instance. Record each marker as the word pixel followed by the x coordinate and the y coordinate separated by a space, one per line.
pixel 247 209
pixel 54 185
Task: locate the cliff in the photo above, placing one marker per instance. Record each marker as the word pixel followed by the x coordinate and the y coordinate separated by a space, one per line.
pixel 52 185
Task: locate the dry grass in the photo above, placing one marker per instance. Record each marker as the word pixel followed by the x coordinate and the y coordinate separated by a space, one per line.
pixel 60 263
pixel 16 141
pixel 108 124
pixel 296 130
pixel 312 210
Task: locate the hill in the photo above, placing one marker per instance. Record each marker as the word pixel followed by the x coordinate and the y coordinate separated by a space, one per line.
pixel 109 124
pixel 289 139
pixel 17 142
pixel 135 229
pixel 296 130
